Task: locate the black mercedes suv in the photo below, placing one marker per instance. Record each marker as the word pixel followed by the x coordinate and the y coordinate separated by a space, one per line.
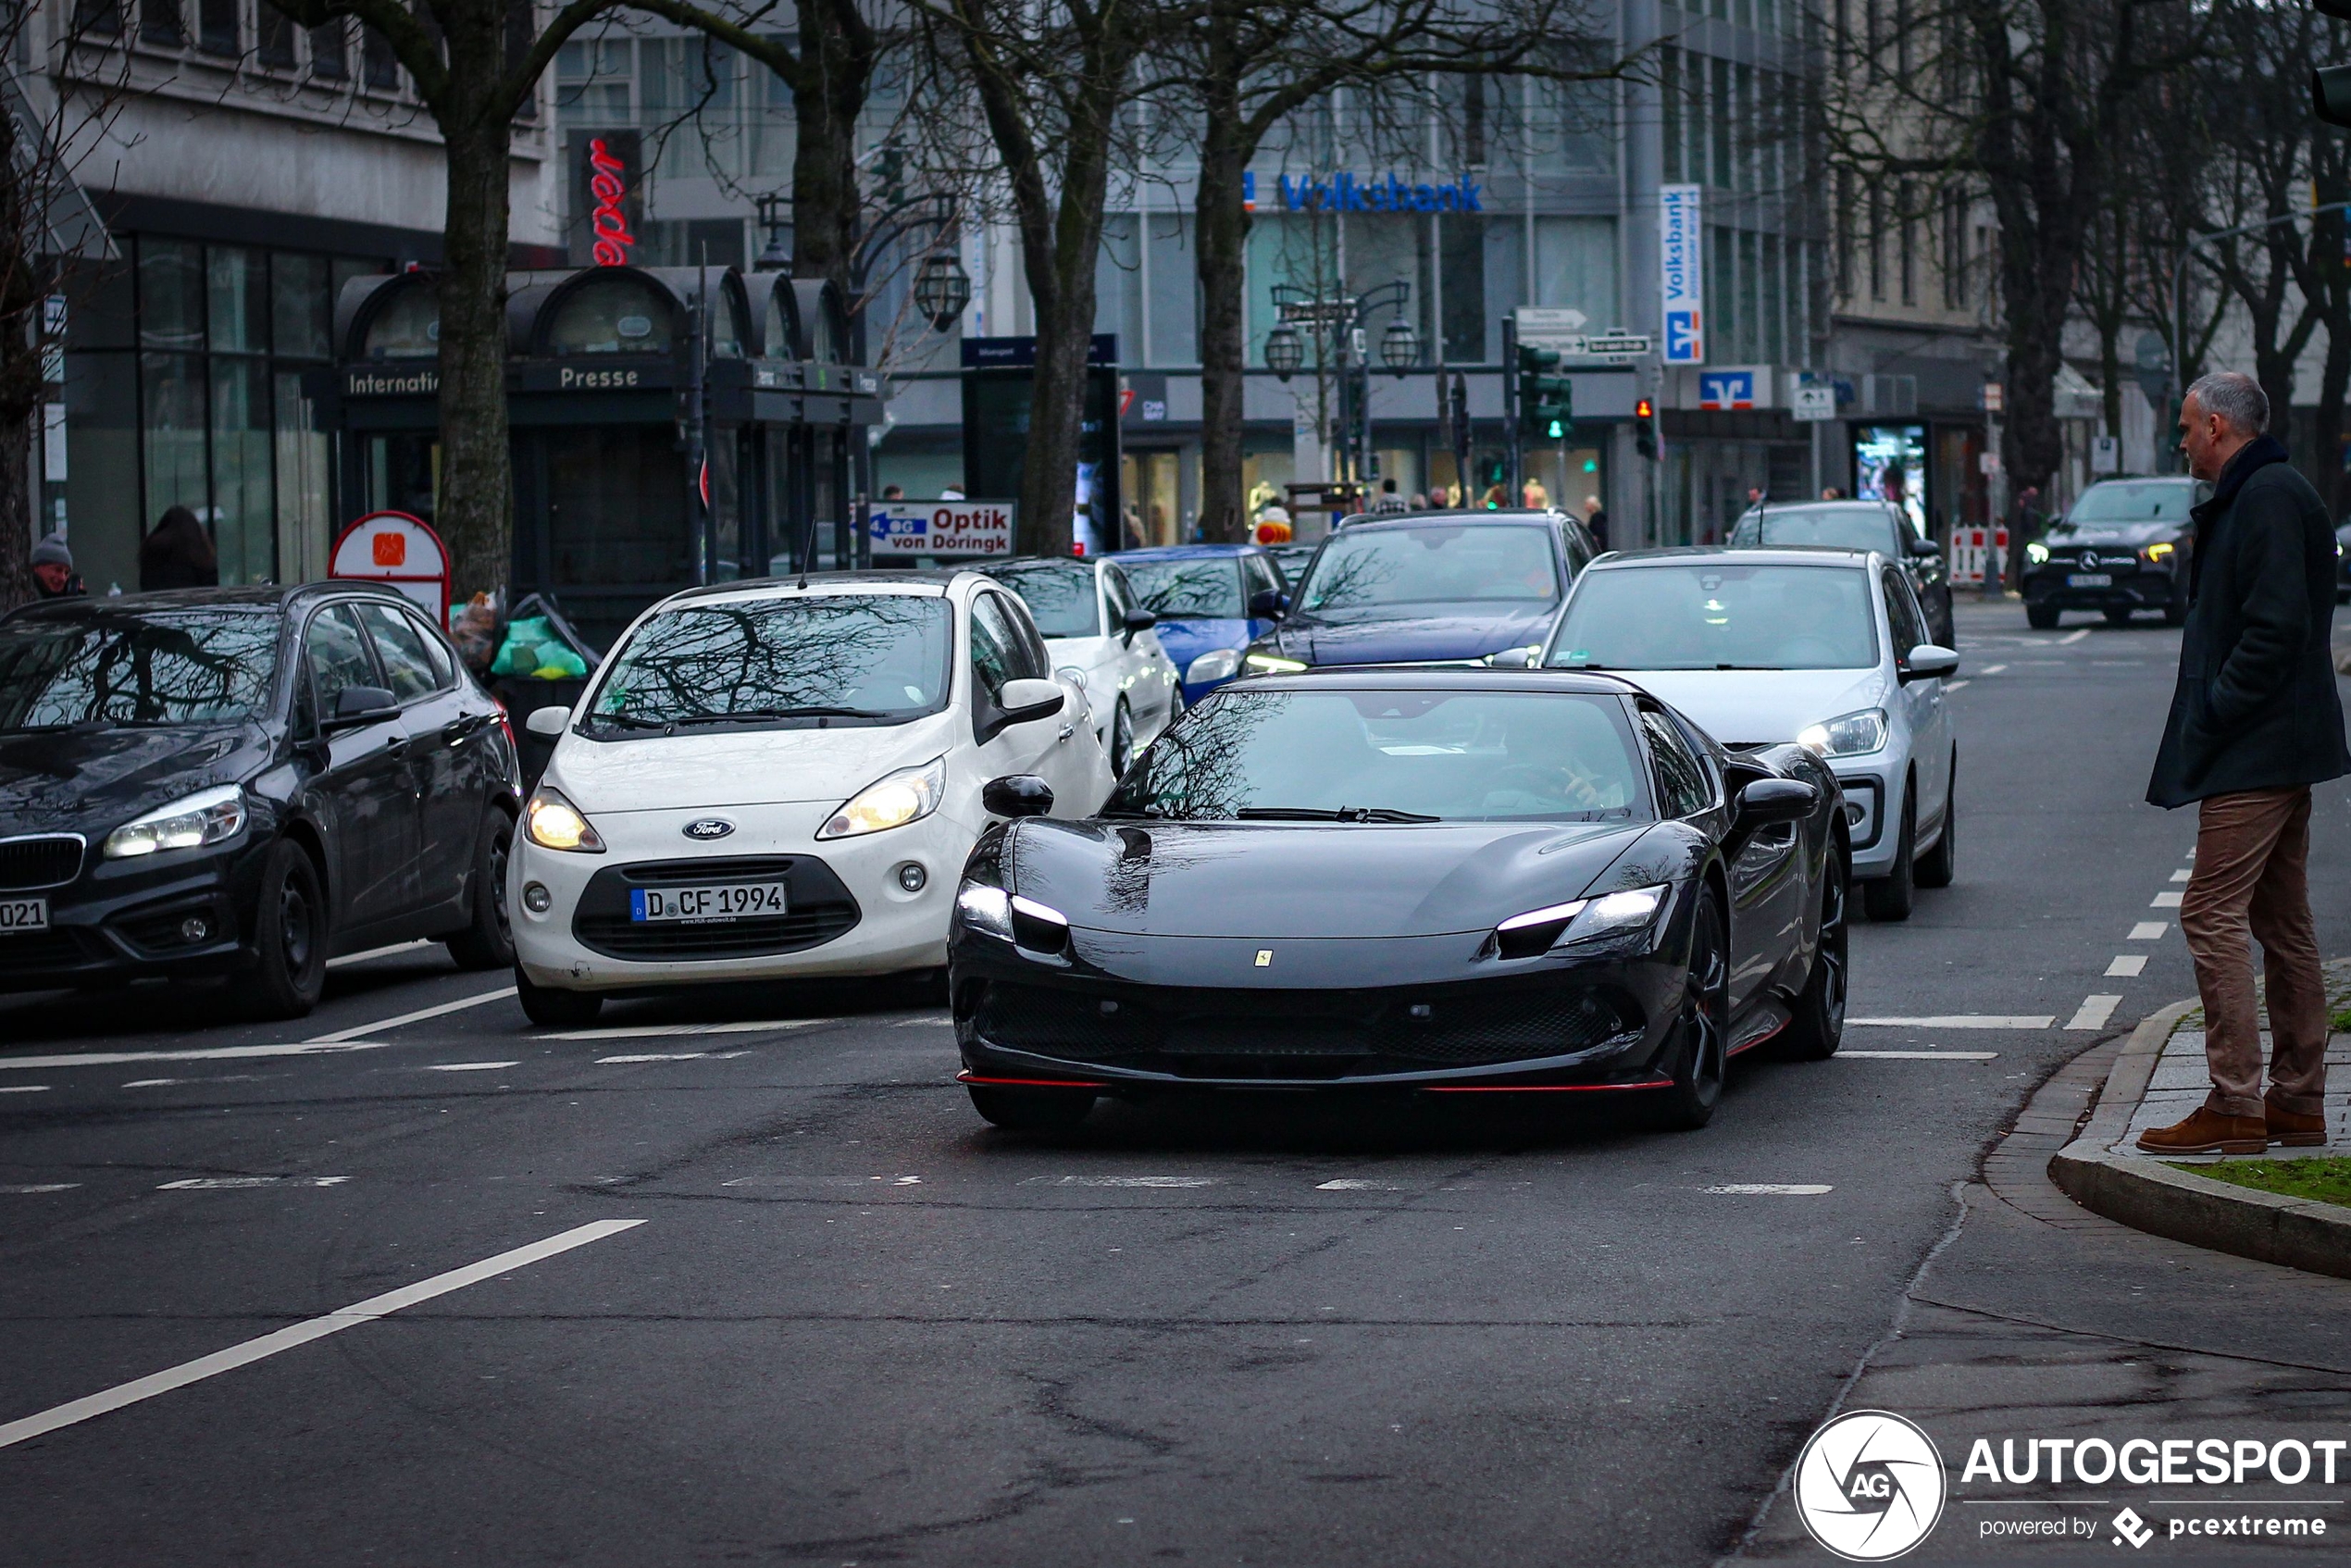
pixel 2122 548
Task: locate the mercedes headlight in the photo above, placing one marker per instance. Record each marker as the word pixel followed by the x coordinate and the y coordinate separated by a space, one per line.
pixel 1564 924
pixel 2160 551
pixel 892 800
pixel 2036 553
pixel 1217 664
pixel 1262 663
pixel 209 817
pixel 1849 735
pixel 553 823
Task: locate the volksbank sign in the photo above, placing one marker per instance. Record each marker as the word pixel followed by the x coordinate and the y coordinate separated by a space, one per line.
pixel 1349 192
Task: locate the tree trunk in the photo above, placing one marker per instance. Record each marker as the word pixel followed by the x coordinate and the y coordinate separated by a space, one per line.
pixel 1220 229
pixel 475 513
pixel 16 507
pixel 824 170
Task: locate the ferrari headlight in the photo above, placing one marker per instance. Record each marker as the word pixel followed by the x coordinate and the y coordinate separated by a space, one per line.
pixel 1273 664
pixel 1217 664
pixel 1563 925
pixel 1848 736
pixel 553 823
pixel 210 816
pixel 2159 552
pixel 1023 922
pixel 2036 553
pixel 986 909
pixel 892 800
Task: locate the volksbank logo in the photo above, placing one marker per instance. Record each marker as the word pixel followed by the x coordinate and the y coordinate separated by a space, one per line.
pixel 1350 193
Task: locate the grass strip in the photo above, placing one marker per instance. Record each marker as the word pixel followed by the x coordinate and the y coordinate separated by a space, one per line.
pixel 2323 1180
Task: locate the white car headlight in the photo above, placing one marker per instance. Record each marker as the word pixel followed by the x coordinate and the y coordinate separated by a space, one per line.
pixel 892 800
pixel 1849 735
pixel 1563 925
pixel 986 909
pixel 1023 922
pixel 553 823
pixel 2036 553
pixel 210 816
pixel 1273 664
pixel 1217 664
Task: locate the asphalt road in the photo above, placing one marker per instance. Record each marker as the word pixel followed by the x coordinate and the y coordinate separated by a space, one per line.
pixel 852 1325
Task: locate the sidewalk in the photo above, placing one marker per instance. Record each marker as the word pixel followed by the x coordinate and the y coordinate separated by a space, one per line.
pixel 2157 1078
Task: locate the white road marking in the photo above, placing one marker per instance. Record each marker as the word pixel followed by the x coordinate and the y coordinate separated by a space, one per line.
pixel 26 1189
pixel 2182 875
pixel 2147 930
pixel 670 1056
pixel 648 1031
pixel 1920 1055
pixel 1769 1189
pixel 2094 1012
pixel 373 952
pixel 1964 1021
pixel 467 1066
pixel 1123 1181
pixel 208 1054
pixel 2072 637
pixel 419 1017
pixel 2127 966
pixel 24 1089
pixel 1344 1184
pixel 1994 670
pixel 156 1083
pixel 1955 685
pixel 2165 900
pixel 238 1183
pixel 919 1023
pixel 299 1333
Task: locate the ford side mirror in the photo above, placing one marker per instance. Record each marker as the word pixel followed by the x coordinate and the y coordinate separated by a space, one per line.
pixel 1929 660
pixel 1025 701
pixel 549 721
pixel 1017 795
pixel 358 706
pixel 1268 604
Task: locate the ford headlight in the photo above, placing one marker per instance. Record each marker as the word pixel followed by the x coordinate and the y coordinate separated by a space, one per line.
pixel 553 823
pixel 210 816
pixel 1849 735
pixel 2036 552
pixel 1217 664
pixel 1564 924
pixel 892 800
pixel 1262 663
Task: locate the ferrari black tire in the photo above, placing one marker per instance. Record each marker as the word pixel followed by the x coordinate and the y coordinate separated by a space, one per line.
pixel 1031 1110
pixel 1940 865
pixel 487 941
pixel 1891 896
pixel 2117 616
pixel 290 937
pixel 1701 1053
pixel 552 1009
pixel 1817 1028
pixel 2041 617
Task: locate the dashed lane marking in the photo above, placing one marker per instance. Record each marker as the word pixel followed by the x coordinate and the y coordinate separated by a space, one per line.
pixel 27 1189
pixel 1964 1021
pixel 1956 685
pixel 1994 670
pixel 2147 930
pixel 24 1089
pixel 419 1016
pixel 239 1184
pixel 1769 1189
pixel 1349 1184
pixel 207 1054
pixel 301 1334
pixel 373 952
pixel 1919 1056
pixel 650 1031
pixel 2070 637
pixel 2127 966
pixel 2182 875
pixel 643 1056
pixel 2094 1012
pixel 2164 901
pixel 1144 1181
pixel 467 1066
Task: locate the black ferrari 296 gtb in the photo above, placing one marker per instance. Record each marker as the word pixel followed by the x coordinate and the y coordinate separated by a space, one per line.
pixel 1446 881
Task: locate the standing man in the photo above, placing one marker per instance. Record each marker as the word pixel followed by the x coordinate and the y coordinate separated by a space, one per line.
pixel 2023 528
pixel 2255 722
pixel 1596 521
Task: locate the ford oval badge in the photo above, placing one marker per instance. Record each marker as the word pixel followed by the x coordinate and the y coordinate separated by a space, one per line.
pixel 708 827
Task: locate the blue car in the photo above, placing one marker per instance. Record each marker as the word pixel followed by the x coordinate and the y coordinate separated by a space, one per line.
pixel 1212 601
pixel 1431 587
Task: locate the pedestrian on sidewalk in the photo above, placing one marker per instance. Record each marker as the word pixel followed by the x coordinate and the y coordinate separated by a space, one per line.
pixel 2255 722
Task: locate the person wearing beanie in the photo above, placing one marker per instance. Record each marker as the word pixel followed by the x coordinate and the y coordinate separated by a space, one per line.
pixel 53 570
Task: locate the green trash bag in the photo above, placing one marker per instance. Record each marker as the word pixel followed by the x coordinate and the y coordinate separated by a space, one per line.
pixel 532 649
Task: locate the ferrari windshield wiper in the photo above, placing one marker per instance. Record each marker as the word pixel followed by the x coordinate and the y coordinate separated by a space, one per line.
pixel 1319 814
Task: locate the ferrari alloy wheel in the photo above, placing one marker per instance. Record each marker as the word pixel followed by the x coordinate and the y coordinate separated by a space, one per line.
pixel 1031 1110
pixel 1704 1027
pixel 1818 1027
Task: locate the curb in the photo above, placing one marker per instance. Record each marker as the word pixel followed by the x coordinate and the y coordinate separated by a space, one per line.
pixel 2150 1196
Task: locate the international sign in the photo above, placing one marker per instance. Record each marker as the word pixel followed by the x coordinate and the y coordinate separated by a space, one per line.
pixel 1681 244
pixel 940 528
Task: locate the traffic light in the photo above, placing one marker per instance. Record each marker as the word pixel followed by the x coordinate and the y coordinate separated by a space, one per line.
pixel 1644 428
pixel 1547 403
pixel 2331 85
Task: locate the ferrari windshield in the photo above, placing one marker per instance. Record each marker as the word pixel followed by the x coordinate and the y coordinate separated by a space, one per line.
pixel 110 666
pixel 880 656
pixel 1391 756
pixel 1848 527
pixel 1719 616
pixel 1432 563
pixel 1060 595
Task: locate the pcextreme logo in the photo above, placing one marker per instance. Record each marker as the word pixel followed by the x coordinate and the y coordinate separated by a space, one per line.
pixel 1869 1485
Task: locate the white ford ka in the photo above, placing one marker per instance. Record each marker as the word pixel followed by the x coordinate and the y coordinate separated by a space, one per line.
pixel 769 781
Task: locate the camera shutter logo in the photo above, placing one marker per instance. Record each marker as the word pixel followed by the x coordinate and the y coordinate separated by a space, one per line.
pixel 1869 1485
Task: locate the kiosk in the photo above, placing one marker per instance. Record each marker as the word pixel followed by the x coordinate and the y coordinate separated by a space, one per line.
pixel 671 426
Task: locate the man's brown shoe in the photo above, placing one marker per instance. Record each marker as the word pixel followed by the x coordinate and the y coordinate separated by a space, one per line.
pixel 2295 1130
pixel 2208 1132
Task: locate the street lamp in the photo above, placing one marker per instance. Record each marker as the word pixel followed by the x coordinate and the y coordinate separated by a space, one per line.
pixel 774 217
pixel 1399 346
pixel 942 289
pixel 1285 351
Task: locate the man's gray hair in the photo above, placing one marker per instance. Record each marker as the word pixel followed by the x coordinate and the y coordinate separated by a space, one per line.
pixel 2236 397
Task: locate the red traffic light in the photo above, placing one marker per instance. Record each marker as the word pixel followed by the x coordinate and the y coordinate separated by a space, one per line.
pixel 1642 410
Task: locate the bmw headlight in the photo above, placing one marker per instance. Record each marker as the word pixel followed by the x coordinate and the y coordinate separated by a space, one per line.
pixel 1217 664
pixel 1564 924
pixel 1848 736
pixel 2036 553
pixel 553 823
pixel 1263 663
pixel 209 817
pixel 892 800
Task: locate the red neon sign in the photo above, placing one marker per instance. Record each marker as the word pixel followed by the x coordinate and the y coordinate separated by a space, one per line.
pixel 609 219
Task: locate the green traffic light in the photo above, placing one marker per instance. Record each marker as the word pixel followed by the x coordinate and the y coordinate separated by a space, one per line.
pixel 1559 430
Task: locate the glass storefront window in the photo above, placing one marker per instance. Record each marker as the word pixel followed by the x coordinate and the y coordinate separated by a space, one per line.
pixel 301 306
pixel 303 521
pixel 171 294
pixel 237 290
pixel 406 326
pixel 611 315
pixel 243 503
pixel 172 388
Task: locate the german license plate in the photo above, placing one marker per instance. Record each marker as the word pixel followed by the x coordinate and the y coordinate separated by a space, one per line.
pixel 23 914
pixel 2089 580
pixel 730 901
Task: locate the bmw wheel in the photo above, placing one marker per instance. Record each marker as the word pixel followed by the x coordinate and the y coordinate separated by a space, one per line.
pixel 487 941
pixel 289 931
pixel 1702 1052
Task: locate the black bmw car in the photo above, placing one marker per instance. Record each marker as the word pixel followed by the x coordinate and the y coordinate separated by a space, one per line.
pixel 1434 880
pixel 2121 548
pixel 245 782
